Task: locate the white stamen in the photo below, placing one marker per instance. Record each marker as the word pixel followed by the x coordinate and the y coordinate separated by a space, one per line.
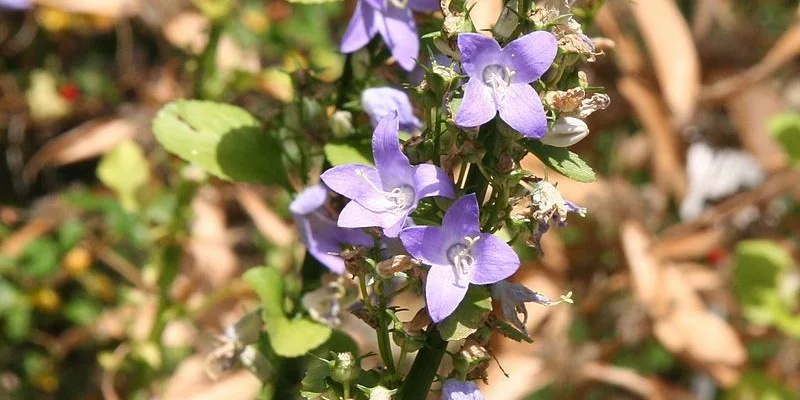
pixel 498 78
pixel 400 198
pixel 461 258
pixel 401 4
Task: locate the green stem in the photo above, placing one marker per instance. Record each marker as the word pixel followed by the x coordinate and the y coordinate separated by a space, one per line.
pixel 384 345
pixel 419 379
pixel 347 391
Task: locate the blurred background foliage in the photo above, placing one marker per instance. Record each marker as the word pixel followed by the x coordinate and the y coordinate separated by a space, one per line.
pixel 120 265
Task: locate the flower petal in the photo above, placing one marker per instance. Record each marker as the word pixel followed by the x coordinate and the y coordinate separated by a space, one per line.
pixel 521 108
pixel 494 260
pixel 377 4
pixel 309 200
pixel 357 182
pixel 460 390
pixel 399 31
pixel 380 101
pixel 477 106
pixel 442 293
pixel 333 262
pixel 354 215
pixel 531 55
pixel 361 28
pixel 477 51
pixel 461 219
pixel 430 180
pixel 425 5
pixel 393 166
pixel 426 243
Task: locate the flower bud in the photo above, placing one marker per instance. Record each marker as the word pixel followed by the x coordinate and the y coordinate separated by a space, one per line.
pixel 380 393
pixel 341 123
pixel 471 356
pixel 565 132
pixel 387 268
pixel 345 368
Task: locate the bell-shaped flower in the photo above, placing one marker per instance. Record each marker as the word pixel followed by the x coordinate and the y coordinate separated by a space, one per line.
pixel 565 132
pixel 392 19
pixel 384 196
pixel 459 254
pixel 15 4
pixel 379 102
pixel 499 81
pixel 461 390
pixel 319 232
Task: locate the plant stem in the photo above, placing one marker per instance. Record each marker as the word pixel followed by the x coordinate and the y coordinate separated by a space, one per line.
pixel 384 345
pixel 423 371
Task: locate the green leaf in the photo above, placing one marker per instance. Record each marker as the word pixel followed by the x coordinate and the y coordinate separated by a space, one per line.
pixel 469 315
pixel 510 331
pixel 786 129
pixel 343 152
pixel 296 337
pixel 267 282
pixel 758 385
pixel 41 258
pixel 562 160
pixel 125 170
pixel 224 140
pixel 314 383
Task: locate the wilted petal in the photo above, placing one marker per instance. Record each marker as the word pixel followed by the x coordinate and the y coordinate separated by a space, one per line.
pixel 442 292
pixel 461 390
pixel 494 260
pixel 399 31
pixel 361 28
pixel 521 109
pixel 477 51
pixel 531 55
pixel 425 5
pixel 426 243
pixel 430 180
pixel 393 165
pixel 461 219
pixel 379 102
pixel 477 106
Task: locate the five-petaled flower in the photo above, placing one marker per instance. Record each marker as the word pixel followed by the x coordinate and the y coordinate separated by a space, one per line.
pixel 392 19
pixel 323 238
pixel 499 81
pixel 386 195
pixel 461 390
pixel 379 102
pixel 459 254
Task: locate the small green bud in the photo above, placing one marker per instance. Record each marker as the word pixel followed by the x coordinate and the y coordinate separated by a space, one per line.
pixel 345 368
pixel 377 392
pixel 471 356
pixel 341 124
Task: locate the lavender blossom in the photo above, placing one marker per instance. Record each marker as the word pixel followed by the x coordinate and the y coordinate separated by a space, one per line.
pixel 319 231
pixel 386 195
pixel 499 81
pixel 379 102
pixel 459 254
pixel 461 390
pixel 15 4
pixel 392 19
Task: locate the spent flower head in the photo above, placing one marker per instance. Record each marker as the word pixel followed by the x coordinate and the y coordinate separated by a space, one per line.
pixel 319 232
pixel 459 254
pixel 379 102
pixel 384 196
pixel 499 81
pixel 512 298
pixel 392 19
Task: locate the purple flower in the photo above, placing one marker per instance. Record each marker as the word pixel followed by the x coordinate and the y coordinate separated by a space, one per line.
pixel 460 390
pixel 499 81
pixel 15 4
pixel 379 102
pixel 459 254
pixel 319 231
pixel 386 195
pixel 391 19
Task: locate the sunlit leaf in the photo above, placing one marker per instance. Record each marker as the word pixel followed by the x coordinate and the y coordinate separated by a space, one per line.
pixel 267 282
pixel 562 161
pixel 348 152
pixel 125 170
pixel 296 337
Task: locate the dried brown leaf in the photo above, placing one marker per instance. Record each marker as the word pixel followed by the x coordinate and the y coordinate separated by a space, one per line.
pixel 645 275
pixel 625 378
pixel 267 221
pixel 109 8
pixel 671 47
pixel 210 246
pixel 785 49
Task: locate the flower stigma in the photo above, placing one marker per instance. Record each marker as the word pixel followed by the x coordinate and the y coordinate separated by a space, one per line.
pixel 460 256
pixel 498 77
pixel 399 199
